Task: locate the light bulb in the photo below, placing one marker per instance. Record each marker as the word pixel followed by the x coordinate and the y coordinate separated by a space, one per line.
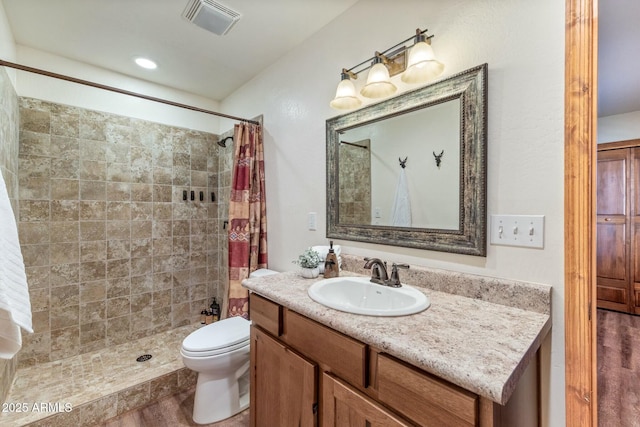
pixel 146 63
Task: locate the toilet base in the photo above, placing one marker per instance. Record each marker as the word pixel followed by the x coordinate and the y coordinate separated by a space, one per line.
pixel 218 398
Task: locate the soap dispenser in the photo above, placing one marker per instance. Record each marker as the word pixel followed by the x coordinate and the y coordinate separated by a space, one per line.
pixel 331 267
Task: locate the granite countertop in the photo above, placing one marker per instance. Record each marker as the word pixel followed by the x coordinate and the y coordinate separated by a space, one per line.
pixel 481 346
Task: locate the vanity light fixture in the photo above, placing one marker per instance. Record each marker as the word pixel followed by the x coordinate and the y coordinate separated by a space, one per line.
pixel 422 66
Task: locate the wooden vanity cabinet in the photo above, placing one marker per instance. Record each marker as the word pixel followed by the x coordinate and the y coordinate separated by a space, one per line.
pixel 306 374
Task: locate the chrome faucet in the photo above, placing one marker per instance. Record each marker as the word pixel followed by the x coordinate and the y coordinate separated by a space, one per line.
pixel 379 273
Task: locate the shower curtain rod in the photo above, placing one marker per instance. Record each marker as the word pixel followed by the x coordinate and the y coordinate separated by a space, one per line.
pixel 354 145
pixel 121 91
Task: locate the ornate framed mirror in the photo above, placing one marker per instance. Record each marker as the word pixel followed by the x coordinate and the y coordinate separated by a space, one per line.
pixel 411 170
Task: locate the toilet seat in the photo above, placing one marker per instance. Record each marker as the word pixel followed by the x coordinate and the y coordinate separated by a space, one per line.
pixel 217 338
pixel 209 353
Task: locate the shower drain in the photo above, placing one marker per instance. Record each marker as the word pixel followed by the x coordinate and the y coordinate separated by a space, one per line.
pixel 144 358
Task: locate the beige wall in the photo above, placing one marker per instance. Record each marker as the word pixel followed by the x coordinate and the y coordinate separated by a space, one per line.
pixel 112 251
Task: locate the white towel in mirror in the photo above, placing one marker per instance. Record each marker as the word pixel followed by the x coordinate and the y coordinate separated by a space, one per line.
pixel 401 209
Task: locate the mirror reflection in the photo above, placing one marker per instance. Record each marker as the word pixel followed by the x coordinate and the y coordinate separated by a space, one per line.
pixel 403 171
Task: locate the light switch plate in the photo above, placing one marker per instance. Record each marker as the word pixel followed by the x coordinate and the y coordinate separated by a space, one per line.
pixel 312 221
pixel 518 230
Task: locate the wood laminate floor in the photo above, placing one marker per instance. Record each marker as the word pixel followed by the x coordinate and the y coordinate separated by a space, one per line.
pixel 173 411
pixel 618 369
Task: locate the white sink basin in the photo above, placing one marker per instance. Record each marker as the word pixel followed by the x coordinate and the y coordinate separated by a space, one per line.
pixel 360 296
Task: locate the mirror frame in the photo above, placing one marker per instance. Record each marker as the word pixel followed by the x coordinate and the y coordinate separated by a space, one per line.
pixel 470 87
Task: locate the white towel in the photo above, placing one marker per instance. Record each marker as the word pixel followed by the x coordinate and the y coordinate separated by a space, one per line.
pixel 15 307
pixel 401 209
pixel 324 250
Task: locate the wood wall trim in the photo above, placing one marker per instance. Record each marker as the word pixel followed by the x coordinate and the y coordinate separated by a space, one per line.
pixel 580 189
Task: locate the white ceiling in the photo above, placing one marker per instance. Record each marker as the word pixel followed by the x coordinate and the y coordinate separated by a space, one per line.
pixel 109 33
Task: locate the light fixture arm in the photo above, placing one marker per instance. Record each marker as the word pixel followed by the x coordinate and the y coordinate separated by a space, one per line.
pixel 387 53
pixel 348 74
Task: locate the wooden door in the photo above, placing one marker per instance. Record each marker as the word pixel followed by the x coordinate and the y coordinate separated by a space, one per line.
pixel 613 239
pixel 283 385
pixel 343 406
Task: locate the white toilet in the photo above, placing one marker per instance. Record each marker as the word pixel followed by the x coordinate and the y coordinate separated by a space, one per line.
pixel 219 352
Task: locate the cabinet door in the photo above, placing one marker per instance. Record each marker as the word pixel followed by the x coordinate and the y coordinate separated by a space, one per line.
pixel 613 240
pixel 343 406
pixel 283 384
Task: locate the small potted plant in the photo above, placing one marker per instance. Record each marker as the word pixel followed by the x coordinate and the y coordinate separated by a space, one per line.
pixel 309 260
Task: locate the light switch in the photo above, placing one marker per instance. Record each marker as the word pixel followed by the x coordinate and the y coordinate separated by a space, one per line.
pixel 517 230
pixel 312 221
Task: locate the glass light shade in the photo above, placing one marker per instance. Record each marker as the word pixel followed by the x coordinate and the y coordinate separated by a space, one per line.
pixel 422 65
pixel 346 97
pixel 378 84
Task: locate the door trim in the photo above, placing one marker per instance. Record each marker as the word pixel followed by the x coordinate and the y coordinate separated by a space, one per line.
pixel 581 47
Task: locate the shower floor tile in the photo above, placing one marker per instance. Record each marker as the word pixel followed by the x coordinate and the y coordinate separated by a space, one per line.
pixel 108 379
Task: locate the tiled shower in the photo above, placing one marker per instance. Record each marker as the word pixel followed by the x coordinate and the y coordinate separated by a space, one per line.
pixel 112 250
pixel 113 253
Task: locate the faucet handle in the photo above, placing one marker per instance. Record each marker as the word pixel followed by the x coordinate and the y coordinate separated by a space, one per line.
pixel 394 280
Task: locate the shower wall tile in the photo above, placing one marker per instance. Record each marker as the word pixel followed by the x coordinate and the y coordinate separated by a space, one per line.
pixel 112 250
pixel 34 144
pixel 35 121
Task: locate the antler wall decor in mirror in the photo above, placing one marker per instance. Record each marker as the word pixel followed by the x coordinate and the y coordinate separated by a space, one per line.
pixel 447 204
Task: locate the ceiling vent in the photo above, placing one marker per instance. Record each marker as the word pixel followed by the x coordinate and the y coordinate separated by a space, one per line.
pixel 211 15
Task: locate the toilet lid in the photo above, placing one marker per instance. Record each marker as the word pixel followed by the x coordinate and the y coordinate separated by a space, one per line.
pixel 217 335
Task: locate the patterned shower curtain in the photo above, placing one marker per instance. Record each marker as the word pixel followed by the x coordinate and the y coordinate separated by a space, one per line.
pixel 247 215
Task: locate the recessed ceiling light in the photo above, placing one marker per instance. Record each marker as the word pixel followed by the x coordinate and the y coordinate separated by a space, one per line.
pixel 146 63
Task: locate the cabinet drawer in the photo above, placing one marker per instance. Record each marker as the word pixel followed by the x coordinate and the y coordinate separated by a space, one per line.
pixel 266 314
pixel 342 355
pixel 423 398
